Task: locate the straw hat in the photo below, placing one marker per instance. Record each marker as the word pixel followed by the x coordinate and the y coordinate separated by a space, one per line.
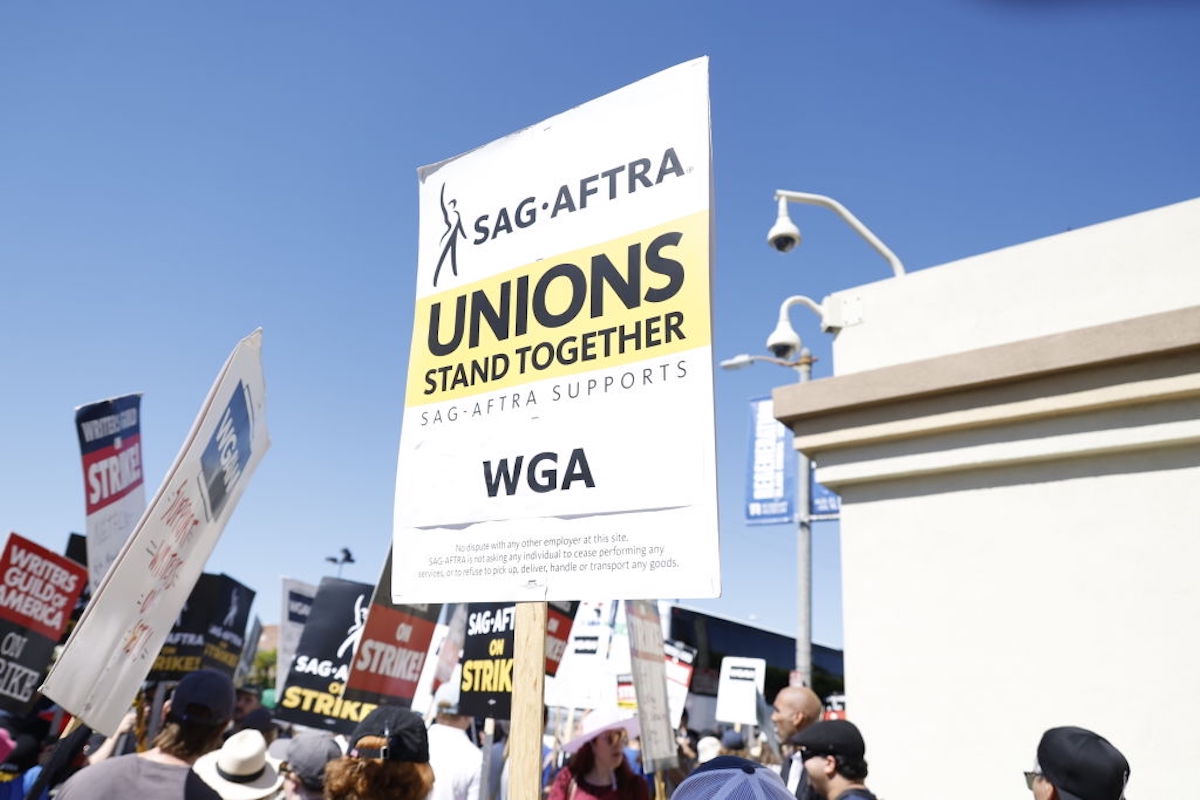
pixel 599 721
pixel 241 769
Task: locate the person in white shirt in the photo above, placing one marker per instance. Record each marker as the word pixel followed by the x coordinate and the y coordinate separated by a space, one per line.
pixel 796 708
pixel 455 759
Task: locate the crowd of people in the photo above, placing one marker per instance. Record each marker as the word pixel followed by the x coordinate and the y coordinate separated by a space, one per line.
pixel 218 743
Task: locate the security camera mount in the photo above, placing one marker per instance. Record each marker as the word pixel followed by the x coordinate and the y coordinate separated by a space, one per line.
pixel 780 234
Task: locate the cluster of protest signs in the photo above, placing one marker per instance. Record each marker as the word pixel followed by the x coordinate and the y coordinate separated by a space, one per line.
pixel 562 318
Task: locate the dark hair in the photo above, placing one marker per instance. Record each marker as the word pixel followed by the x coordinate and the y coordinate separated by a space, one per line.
pixel 584 759
pixel 852 769
pixel 375 779
pixel 188 742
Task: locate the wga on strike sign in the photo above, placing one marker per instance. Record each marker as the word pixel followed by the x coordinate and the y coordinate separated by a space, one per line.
pixel 38 590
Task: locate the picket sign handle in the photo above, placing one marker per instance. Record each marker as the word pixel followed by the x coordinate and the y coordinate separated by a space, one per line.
pixel 71 726
pixel 529 682
pixel 660 786
pixel 486 790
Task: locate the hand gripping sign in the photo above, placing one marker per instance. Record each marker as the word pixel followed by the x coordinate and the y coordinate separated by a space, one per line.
pixel 558 423
pixel 115 643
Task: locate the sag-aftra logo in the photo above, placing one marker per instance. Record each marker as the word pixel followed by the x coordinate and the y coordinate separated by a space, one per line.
pixel 569 198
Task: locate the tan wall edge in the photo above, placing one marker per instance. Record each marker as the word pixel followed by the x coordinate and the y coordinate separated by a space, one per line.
pixel 1126 340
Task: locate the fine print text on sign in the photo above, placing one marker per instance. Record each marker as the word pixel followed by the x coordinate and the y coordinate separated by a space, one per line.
pixel 562 319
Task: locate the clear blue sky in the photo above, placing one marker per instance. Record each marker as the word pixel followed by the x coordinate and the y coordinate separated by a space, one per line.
pixel 174 175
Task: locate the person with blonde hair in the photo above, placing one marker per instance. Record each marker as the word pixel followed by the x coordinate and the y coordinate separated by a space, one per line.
pixel 597 769
pixel 388 759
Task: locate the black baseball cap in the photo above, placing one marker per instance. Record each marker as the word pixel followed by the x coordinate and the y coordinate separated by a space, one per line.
pixel 835 737
pixel 403 729
pixel 203 697
pixel 1082 765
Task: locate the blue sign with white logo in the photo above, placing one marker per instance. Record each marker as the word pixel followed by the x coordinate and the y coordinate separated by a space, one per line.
pixel 228 451
pixel 771 480
pixel 822 501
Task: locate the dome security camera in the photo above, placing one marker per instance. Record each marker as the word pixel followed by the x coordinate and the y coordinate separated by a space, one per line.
pixel 784 235
pixel 783 342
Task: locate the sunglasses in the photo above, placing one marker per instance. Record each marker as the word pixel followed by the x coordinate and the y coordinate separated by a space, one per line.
pixel 806 754
pixel 614 737
pixel 1030 777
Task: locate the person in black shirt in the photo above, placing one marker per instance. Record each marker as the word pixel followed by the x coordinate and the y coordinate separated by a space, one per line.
pixel 834 757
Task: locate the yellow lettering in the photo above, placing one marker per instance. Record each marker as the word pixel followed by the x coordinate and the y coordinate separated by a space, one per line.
pixel 324 704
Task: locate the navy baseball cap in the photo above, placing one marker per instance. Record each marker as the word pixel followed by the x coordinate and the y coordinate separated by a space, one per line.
pixel 1082 765
pixel 203 697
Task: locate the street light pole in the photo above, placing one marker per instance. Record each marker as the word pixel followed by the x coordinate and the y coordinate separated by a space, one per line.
pixel 803 367
pixel 784 236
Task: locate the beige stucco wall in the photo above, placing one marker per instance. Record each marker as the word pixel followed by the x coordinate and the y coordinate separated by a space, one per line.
pixel 1021 552
pixel 1130 267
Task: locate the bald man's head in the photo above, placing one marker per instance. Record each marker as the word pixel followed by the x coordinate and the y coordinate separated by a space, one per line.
pixel 796 707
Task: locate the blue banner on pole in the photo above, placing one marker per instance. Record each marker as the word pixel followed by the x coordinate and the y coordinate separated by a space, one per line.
pixel 771 477
pixel 822 502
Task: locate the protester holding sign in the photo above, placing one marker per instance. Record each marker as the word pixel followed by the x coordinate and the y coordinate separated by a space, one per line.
pixel 195 715
pixel 598 769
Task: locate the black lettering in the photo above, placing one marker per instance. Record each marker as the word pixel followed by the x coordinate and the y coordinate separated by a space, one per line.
pixel 578 470
pixel 549 476
pixel 670 166
pixel 637 174
pixel 578 292
pixel 667 267
pixel 587 189
pixel 612 174
pixel 521 325
pixel 502 223
pixel 563 201
pixel 628 288
pixel 481 229
pixel 436 346
pixel 526 212
pixel 497 320
pixel 503 474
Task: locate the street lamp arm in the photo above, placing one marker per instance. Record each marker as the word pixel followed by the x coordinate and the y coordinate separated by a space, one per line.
pixel 784 197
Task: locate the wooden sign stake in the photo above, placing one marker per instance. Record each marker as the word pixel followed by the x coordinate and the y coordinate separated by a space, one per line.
pixel 529 680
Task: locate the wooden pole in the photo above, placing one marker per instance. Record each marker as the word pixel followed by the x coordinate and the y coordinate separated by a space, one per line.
pixel 660 786
pixel 529 680
pixel 486 790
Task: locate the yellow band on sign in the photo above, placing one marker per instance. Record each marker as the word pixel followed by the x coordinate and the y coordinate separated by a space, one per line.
pixel 641 296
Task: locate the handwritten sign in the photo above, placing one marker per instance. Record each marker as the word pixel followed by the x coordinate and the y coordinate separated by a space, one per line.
pixel 115 643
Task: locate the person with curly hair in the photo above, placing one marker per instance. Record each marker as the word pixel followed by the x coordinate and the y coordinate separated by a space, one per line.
pixel 388 759
pixel 598 769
